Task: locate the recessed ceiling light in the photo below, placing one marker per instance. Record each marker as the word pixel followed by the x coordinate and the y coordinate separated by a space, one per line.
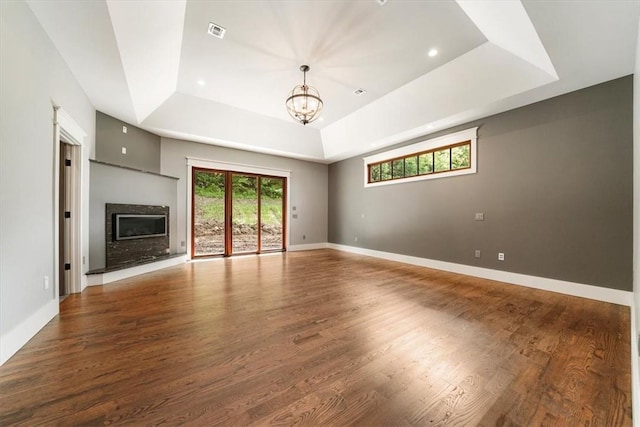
pixel 381 2
pixel 201 82
pixel 216 30
pixel 359 92
pixel 433 52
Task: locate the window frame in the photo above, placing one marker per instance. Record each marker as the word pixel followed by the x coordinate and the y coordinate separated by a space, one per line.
pixel 465 137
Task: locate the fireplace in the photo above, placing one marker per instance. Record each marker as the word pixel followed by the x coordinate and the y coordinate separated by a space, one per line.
pixel 135 233
pixel 139 226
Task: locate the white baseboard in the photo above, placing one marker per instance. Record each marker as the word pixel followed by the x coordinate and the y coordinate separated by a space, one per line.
pixel 112 276
pixel 13 340
pixel 307 247
pixel 570 288
pixel 84 282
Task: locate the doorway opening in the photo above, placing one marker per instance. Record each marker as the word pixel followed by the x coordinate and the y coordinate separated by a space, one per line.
pixel 237 213
pixel 64 217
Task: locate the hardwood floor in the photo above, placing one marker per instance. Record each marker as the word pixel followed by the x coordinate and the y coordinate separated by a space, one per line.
pixel 321 338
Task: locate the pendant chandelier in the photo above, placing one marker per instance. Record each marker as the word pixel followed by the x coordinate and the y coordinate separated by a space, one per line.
pixel 304 103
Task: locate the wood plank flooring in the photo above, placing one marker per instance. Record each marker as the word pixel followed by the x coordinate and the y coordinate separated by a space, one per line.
pixel 321 338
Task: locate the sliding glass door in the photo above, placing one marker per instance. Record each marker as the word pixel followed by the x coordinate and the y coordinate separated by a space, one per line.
pixel 237 213
pixel 208 213
pixel 272 213
pixel 244 220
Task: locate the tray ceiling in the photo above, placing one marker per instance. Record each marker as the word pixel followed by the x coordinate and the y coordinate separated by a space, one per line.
pixel 153 64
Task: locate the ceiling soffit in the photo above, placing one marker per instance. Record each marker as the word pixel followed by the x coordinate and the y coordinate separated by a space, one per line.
pixel 149 38
pixel 83 34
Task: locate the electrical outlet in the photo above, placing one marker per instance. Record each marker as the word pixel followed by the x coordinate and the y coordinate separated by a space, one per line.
pixel 294 216
pixel 183 243
pixel 304 236
pixel 46 282
pixel 124 129
pixel 479 216
pixel 500 256
pixel 477 253
pixel 83 260
pixel 355 239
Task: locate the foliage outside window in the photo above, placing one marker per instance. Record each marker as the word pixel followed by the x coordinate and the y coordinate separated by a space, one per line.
pixel 445 156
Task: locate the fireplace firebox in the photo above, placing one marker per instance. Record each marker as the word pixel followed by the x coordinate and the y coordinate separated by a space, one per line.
pixel 138 226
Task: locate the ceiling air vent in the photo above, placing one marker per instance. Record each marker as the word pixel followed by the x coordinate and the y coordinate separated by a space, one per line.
pixel 216 30
pixel 359 92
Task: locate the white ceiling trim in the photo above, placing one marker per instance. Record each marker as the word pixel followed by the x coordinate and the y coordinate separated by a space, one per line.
pixel 149 37
pixel 506 24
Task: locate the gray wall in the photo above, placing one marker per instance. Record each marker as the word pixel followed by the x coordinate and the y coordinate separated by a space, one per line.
pixel 143 148
pixel 307 187
pixel 33 76
pixel 554 182
pixel 111 184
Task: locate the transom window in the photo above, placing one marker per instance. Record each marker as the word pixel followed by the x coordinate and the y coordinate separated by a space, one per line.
pixel 453 154
pixel 444 159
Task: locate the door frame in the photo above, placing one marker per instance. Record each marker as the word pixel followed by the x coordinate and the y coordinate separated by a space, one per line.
pixel 232 167
pixel 66 130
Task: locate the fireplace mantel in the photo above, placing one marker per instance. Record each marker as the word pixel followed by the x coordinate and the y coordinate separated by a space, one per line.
pixel 132 169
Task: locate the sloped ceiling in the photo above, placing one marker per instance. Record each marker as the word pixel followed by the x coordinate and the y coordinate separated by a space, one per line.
pixel 152 64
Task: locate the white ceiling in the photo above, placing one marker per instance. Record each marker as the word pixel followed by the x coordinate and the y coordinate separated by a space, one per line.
pixel 140 61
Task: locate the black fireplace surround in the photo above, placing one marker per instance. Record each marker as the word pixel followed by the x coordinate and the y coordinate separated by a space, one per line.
pixel 135 233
